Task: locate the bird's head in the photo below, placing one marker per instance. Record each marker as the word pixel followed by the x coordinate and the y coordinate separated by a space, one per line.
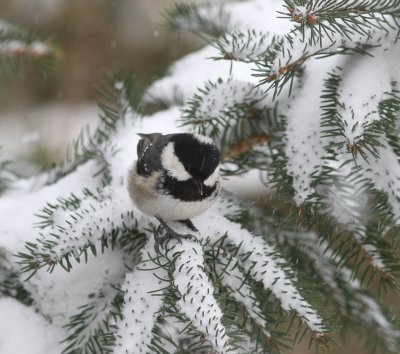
pixel 192 157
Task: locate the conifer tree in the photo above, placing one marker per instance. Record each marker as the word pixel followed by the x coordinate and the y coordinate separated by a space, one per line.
pixel 19 46
pixel 302 92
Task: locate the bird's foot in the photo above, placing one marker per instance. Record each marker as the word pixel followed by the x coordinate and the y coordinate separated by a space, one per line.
pixel 189 224
pixel 160 240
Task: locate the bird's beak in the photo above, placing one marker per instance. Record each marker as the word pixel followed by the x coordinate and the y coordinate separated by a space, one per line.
pixel 199 185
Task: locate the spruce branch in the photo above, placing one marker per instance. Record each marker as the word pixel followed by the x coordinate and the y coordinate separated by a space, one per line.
pixel 265 265
pixel 143 298
pixel 353 300
pixel 20 46
pixel 195 297
pixel 340 270
pixel 245 145
pixel 203 20
pixel 287 55
pixel 380 173
pixel 235 114
pixel 10 284
pixel 242 46
pixel 343 196
pixel 348 206
pixel 332 160
pixel 346 18
pixel 364 130
pixel 91 329
pixel 196 291
pixel 74 226
pixel 353 188
pixel 231 276
pixel 232 104
pixel 354 218
pixel 362 127
pixel 175 329
pixel 167 333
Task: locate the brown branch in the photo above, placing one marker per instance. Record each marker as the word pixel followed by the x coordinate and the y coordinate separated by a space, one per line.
pixel 284 69
pixel 229 56
pixel 309 19
pixel 244 145
pixel 36 50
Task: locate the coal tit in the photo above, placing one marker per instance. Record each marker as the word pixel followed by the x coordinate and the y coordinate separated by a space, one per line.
pixel 175 178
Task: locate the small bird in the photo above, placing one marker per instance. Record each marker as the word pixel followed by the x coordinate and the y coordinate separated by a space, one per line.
pixel 175 178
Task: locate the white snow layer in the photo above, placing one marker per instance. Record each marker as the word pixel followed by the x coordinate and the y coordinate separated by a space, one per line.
pixel 219 98
pixel 197 300
pixel 24 331
pixel 75 287
pixel 19 205
pixel 263 264
pixel 244 46
pixel 140 305
pixel 304 145
pixel 232 277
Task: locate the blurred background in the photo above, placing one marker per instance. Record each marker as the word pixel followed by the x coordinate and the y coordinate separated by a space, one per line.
pixel 40 111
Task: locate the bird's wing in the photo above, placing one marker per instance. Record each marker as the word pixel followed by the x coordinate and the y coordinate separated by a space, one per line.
pixel 145 142
pixel 149 149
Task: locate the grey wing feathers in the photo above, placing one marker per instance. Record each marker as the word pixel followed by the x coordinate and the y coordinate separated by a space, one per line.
pixel 146 141
pixel 149 150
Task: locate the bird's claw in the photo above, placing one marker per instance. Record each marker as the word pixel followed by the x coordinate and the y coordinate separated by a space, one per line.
pixel 160 240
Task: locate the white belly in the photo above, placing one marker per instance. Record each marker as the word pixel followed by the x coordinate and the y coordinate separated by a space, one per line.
pixel 169 208
pixel 166 207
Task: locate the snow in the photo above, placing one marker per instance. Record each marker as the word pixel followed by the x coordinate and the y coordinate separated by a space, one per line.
pixel 304 145
pixel 50 126
pixel 358 98
pixel 95 218
pixel 305 149
pixel 214 14
pixel 260 15
pixel 197 300
pixel 180 84
pixel 250 15
pixel 262 262
pixel 349 205
pixel 26 330
pixel 218 99
pixel 341 280
pixel 77 287
pixel 244 46
pixel 75 231
pixel 141 304
pixel 106 209
pixel 13 233
pixel 385 173
pixel 232 277
pixel 300 11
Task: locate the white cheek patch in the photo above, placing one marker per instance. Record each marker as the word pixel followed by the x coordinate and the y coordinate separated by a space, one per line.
pixel 210 181
pixel 172 164
pixel 203 139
